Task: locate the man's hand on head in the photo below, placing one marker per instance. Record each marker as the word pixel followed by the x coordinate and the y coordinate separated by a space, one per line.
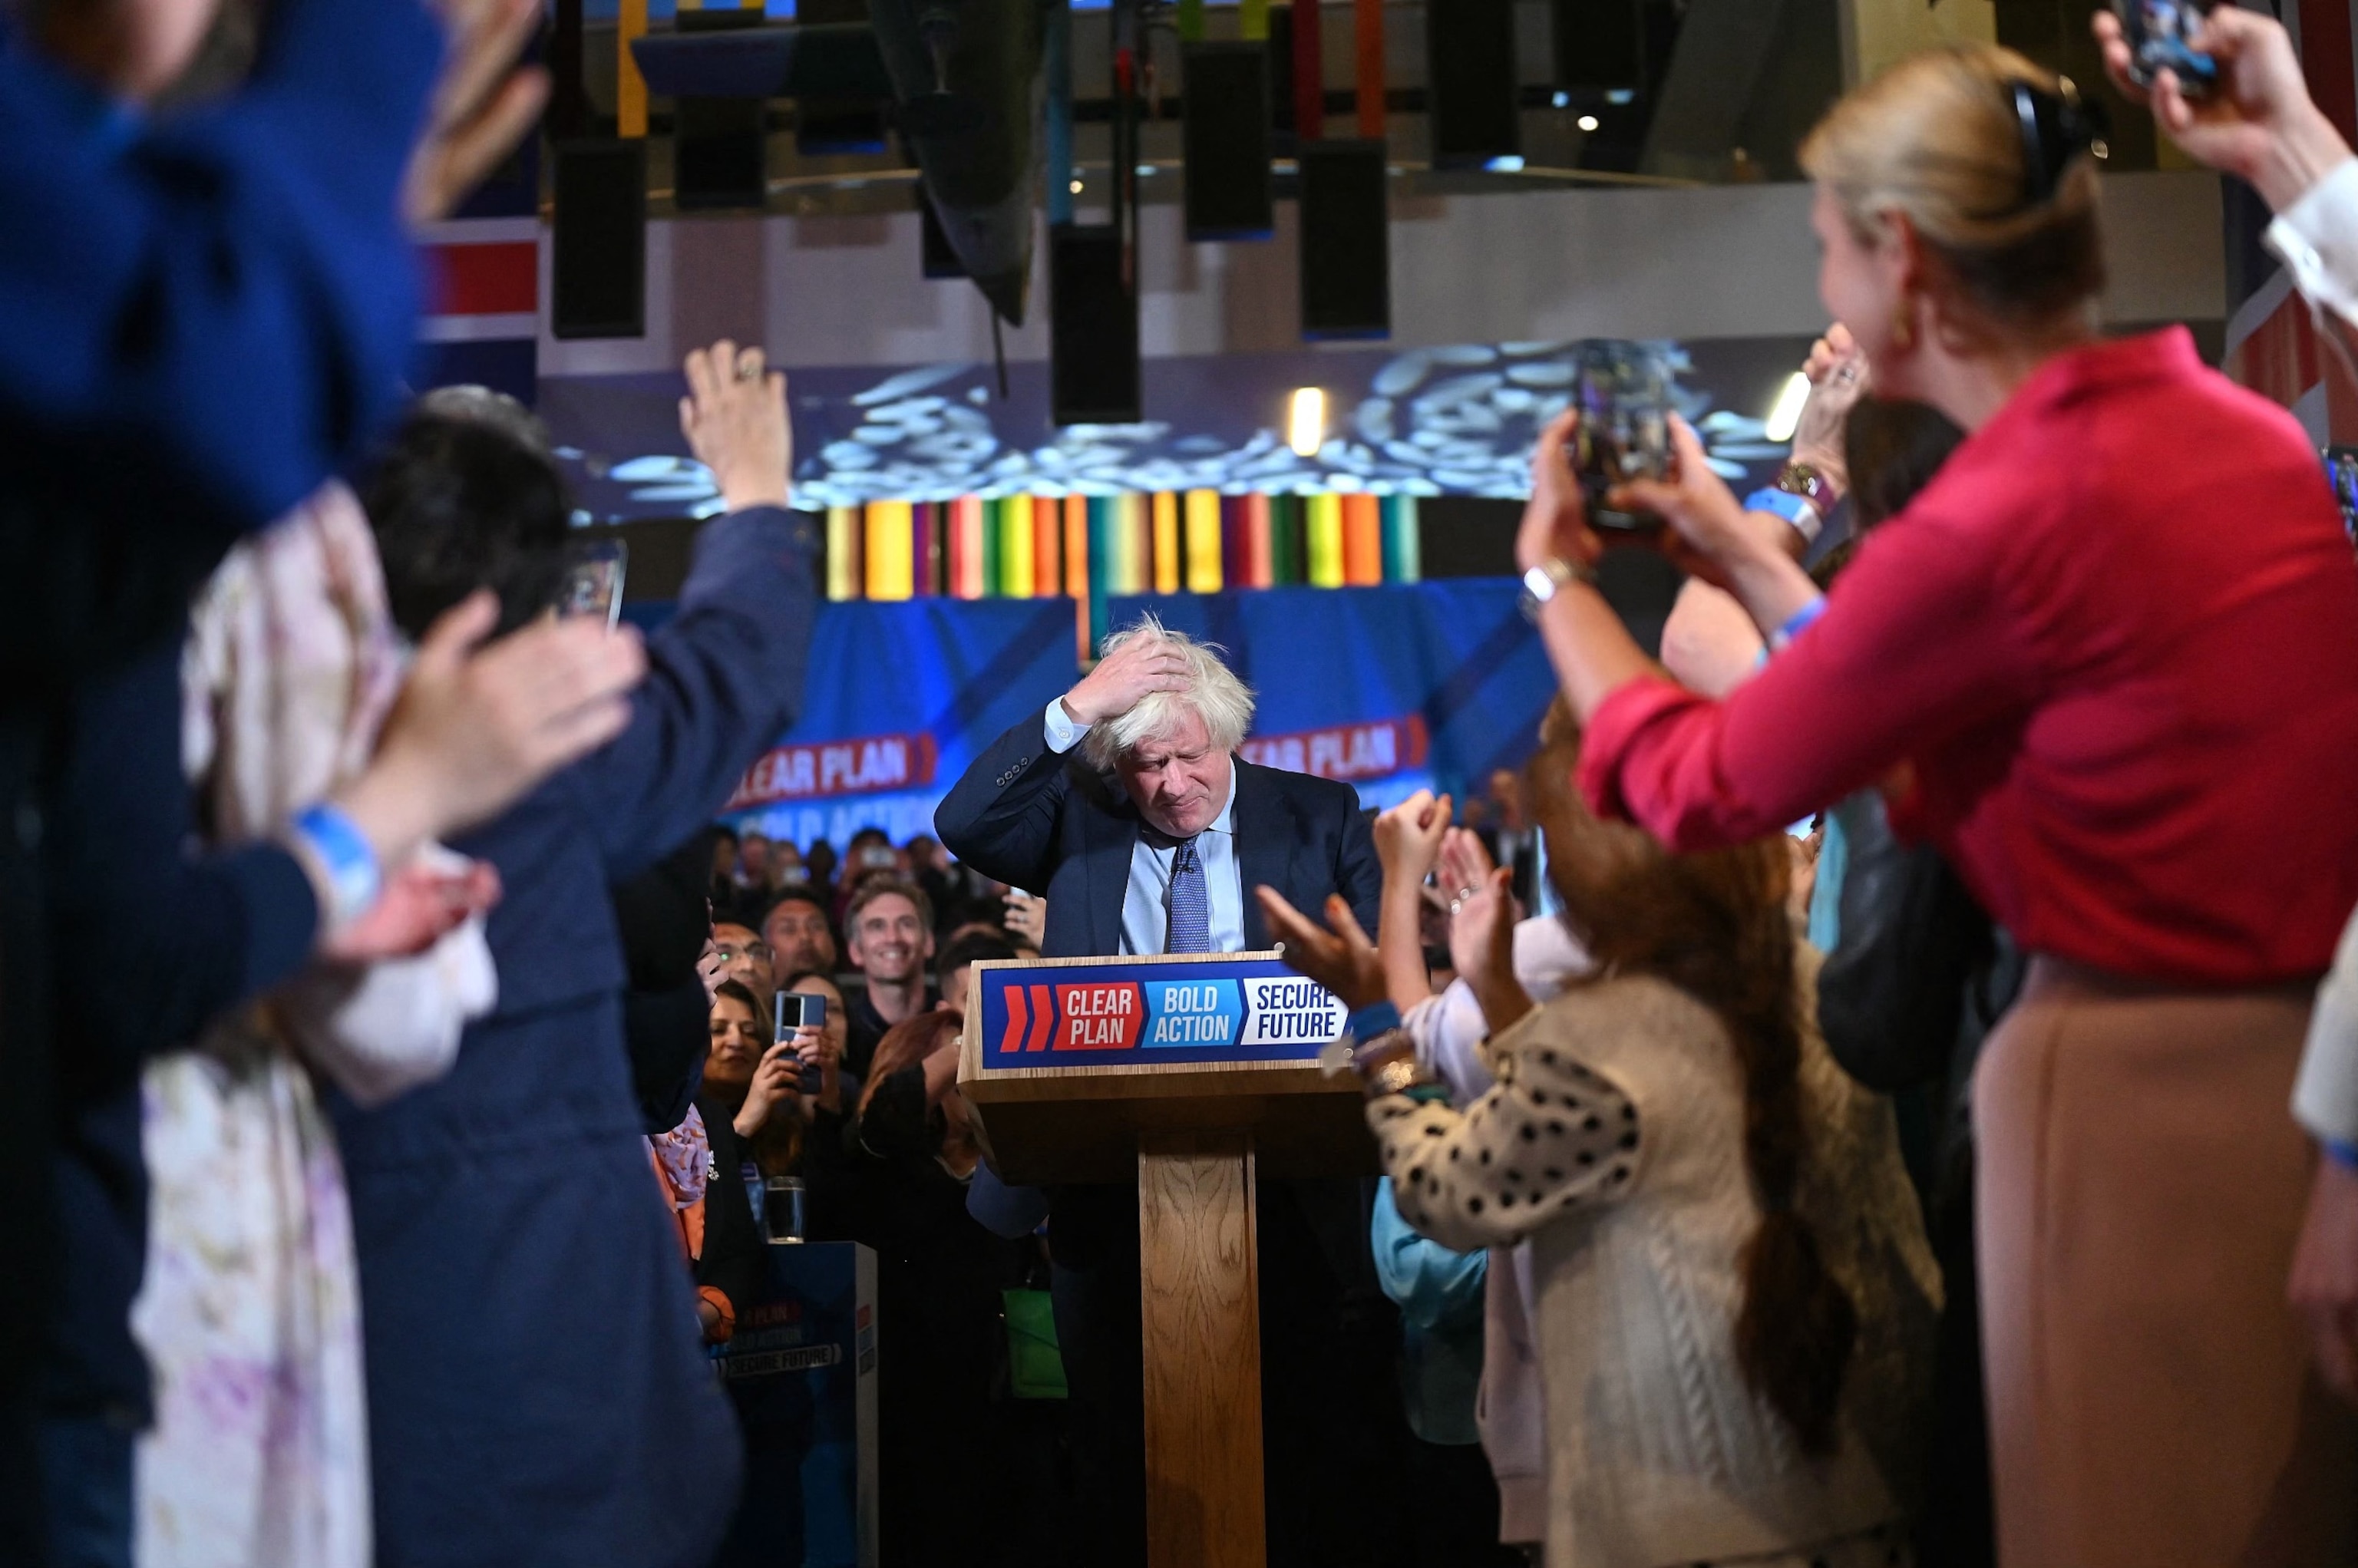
pixel 1125 676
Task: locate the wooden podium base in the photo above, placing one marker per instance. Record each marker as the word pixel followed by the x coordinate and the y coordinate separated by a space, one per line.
pixel 1199 1273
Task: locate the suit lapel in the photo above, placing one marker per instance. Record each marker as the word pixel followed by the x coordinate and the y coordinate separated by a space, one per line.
pixel 1263 846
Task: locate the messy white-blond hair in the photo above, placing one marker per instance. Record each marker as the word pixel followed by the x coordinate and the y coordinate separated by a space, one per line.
pixel 1213 693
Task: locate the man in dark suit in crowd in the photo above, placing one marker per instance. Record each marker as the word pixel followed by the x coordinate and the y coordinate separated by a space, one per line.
pixel 1125 806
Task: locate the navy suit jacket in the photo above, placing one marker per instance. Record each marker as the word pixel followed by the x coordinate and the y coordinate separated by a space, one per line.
pixel 536 1393
pixel 1051 825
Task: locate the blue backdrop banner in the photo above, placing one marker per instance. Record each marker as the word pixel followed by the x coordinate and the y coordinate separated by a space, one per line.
pixel 1389 689
pixel 899 698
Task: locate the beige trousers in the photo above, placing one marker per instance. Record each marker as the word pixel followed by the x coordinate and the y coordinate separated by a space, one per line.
pixel 2140 1186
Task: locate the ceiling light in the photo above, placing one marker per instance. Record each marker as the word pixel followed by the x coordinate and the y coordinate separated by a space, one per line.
pixel 1076 188
pixel 1786 416
pixel 1563 100
pixel 1587 121
pixel 1305 426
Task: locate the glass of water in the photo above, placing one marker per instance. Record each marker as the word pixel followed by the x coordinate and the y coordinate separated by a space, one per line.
pixel 783 1200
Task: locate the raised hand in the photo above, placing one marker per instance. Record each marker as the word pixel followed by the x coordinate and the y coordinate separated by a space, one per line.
pixel 484 104
pixel 1709 533
pixel 1837 372
pixel 1482 947
pixel 1027 917
pixel 1408 837
pixel 1555 519
pixel 1339 957
pixel 1130 672
pixel 734 417
pixel 1465 863
pixel 2258 124
pixel 812 1048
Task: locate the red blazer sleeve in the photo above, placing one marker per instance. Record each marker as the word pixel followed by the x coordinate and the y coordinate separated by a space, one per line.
pixel 1915 645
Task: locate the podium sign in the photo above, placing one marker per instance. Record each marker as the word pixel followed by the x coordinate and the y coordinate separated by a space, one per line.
pixel 1193 1075
pixel 1216 1009
pixel 1069 1059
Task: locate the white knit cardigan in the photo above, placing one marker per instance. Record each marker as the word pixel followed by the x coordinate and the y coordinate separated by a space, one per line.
pixel 1613 1143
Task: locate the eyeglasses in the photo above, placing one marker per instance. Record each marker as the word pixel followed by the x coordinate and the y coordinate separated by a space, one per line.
pixel 729 952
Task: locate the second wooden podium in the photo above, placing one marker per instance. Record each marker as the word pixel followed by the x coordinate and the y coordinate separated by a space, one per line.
pixel 1196 1075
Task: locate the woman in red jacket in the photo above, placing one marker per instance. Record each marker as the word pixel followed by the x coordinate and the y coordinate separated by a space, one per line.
pixel 2108 662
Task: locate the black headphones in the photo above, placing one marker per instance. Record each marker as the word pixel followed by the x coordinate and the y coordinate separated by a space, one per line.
pixel 2057 127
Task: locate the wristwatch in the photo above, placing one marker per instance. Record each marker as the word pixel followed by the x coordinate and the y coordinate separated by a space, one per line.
pixel 1811 483
pixel 1551 577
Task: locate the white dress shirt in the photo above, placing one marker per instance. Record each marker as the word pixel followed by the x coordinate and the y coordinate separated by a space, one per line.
pixel 1146 906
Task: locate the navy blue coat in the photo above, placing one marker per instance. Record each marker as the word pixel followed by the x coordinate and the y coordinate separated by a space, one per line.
pixel 1051 825
pixel 537 1393
pixel 199 319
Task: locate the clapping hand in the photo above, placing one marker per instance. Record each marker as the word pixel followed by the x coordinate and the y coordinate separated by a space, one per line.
pixel 1408 837
pixel 1339 957
pixel 1483 914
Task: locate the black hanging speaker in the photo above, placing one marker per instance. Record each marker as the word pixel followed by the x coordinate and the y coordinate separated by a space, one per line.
pixel 719 146
pixel 1226 141
pixel 935 259
pixel 1347 274
pixel 598 243
pixel 1470 89
pixel 1092 329
pixel 1600 45
pixel 829 124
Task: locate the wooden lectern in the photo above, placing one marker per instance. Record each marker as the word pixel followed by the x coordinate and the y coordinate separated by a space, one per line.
pixel 1197 1072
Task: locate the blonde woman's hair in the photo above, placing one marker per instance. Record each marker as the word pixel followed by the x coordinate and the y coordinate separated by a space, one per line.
pixel 1938 139
pixel 1213 693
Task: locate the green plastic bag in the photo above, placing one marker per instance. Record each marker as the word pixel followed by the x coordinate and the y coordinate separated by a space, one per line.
pixel 1035 1368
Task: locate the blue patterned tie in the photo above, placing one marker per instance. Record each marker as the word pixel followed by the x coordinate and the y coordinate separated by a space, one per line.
pixel 1191 904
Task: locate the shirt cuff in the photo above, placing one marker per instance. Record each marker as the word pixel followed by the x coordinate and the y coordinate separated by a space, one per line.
pixel 2317 239
pixel 1062 733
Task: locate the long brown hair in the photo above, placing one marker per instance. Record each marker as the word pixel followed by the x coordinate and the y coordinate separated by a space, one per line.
pixel 906 1044
pixel 1715 924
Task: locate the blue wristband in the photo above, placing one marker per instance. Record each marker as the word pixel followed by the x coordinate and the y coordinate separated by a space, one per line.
pixel 1801 621
pixel 1376 1018
pixel 1797 510
pixel 2342 1151
pixel 354 879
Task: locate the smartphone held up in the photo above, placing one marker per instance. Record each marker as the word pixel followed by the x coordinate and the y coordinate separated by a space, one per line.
pixel 1622 390
pixel 2160 35
pixel 796 1010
